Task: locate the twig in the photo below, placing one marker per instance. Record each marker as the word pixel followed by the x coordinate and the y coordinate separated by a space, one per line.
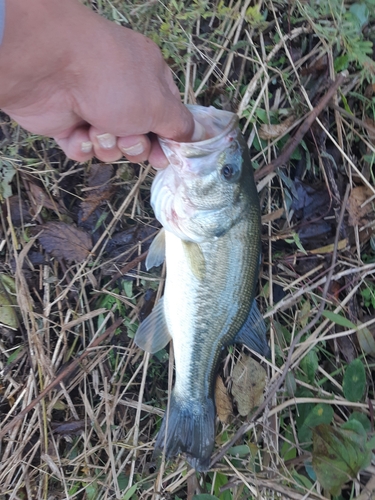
pixel 293 142
pixel 60 377
pixel 125 269
pixel 353 118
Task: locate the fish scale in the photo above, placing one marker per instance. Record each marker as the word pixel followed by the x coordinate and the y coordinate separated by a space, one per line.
pixel 208 204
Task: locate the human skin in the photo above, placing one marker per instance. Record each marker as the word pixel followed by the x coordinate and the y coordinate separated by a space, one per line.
pixel 97 88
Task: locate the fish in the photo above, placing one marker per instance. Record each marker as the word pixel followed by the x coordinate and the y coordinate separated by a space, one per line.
pixel 207 203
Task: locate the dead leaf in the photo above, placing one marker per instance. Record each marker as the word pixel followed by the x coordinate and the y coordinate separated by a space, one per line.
pixel 268 131
pixel 70 428
pixel 370 127
pixel 249 381
pixel 65 241
pixel 8 301
pixel 360 213
pixel 223 402
pixel 99 188
pixel 277 214
pixel 342 244
pixel 318 66
pixel 100 174
pixel 370 90
pixel 41 198
pixel 18 211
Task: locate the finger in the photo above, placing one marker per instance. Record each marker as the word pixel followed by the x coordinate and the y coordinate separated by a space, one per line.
pixel 77 146
pixel 104 145
pixel 136 148
pixel 157 158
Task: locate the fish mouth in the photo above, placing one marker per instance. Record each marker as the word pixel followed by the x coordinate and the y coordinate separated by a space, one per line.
pixel 221 129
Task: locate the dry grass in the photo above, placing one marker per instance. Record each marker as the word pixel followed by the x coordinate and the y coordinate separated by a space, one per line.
pixel 94 400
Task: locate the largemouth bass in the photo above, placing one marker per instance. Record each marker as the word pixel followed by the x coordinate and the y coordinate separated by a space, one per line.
pixel 207 202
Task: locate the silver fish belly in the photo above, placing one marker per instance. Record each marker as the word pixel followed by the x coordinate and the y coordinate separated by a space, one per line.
pixel 208 205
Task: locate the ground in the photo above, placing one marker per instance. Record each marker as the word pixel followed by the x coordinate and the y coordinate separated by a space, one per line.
pixel 80 404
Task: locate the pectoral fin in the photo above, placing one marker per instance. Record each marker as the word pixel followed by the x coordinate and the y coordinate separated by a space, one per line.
pixel 156 253
pixel 152 335
pixel 195 258
pixel 253 333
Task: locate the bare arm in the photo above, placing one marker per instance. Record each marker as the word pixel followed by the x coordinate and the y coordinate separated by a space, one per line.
pixel 94 86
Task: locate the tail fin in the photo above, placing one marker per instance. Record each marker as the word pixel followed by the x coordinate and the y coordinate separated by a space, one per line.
pixel 191 430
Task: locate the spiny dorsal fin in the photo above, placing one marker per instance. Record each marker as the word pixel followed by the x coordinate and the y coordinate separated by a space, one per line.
pixel 156 253
pixel 152 335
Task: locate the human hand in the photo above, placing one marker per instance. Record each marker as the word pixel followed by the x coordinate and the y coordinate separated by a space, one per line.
pixel 99 89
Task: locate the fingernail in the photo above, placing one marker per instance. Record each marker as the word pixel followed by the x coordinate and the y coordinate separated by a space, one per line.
pixel 135 150
pixel 199 132
pixel 86 147
pixel 106 141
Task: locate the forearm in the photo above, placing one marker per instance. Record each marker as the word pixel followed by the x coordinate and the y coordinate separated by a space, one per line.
pixel 96 87
pixel 37 44
pixel 2 19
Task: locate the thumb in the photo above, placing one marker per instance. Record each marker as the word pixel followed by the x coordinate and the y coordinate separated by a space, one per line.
pixel 174 121
pixel 179 124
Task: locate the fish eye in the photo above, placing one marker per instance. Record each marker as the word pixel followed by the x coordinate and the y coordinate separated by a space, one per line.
pixel 228 171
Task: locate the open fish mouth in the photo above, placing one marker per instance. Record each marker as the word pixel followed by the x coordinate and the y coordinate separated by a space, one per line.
pixel 221 128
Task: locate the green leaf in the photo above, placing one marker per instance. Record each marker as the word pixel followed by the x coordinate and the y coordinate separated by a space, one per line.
pixel 320 414
pixel 204 496
pixel 220 481
pixel 7 172
pixel 310 364
pixel 302 480
pixel 14 354
pixel 303 409
pixel 366 341
pixel 290 384
pixel 296 240
pixel 130 492
pixel 354 383
pixel 92 491
pixel 339 319
pixel 341 63
pixel 339 454
pixel 239 451
pixel 361 417
pixel 361 12
pixel 122 480
pixel 288 449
